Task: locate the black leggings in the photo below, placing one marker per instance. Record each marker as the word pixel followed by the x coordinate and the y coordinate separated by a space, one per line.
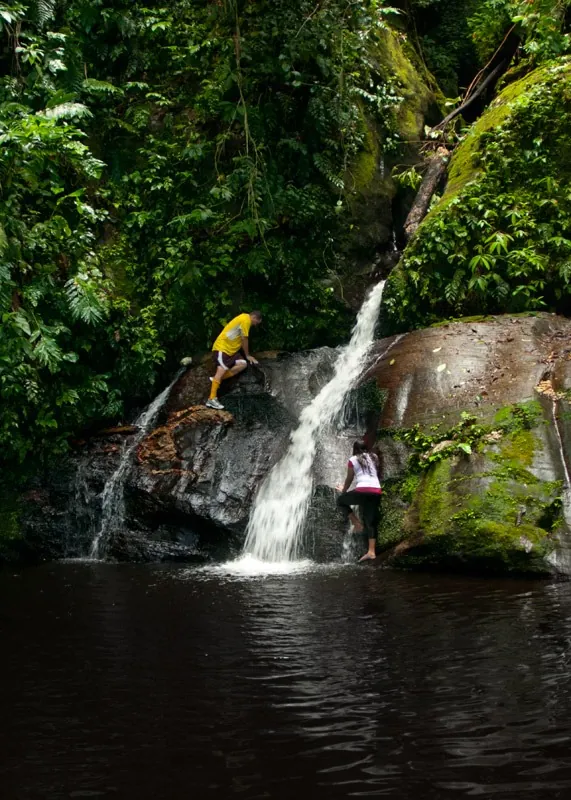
pixel 369 506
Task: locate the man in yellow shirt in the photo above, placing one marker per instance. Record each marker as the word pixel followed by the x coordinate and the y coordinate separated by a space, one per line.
pixel 231 352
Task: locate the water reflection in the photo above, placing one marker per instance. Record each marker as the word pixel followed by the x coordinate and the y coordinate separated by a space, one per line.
pixel 139 682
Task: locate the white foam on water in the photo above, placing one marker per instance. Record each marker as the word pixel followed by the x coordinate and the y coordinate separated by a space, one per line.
pixel 248 566
pixel 276 523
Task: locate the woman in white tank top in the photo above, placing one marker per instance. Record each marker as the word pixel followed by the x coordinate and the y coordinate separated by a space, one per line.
pixel 363 468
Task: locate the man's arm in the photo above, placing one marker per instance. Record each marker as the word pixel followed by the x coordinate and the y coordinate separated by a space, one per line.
pixel 246 349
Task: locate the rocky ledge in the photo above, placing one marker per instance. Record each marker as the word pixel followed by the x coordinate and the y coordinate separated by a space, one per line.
pixel 471 418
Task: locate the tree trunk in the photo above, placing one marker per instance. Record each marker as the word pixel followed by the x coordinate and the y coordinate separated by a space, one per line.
pixel 436 166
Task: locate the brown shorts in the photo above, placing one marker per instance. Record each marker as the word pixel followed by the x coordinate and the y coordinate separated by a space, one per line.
pixel 224 360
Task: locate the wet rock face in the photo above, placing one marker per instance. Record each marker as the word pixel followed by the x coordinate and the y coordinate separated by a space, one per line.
pixel 205 466
pixel 192 480
pixel 59 512
pixel 467 366
pixel 498 508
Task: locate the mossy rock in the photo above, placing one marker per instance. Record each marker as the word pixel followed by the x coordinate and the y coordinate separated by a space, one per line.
pixel 485 512
pixel 401 65
pixel 466 164
pixel 506 202
pixel 370 186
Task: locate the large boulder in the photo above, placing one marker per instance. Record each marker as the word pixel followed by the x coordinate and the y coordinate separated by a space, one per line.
pixel 481 408
pixel 206 466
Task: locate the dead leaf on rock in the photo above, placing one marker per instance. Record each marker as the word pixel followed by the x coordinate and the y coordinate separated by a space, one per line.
pixel 546 388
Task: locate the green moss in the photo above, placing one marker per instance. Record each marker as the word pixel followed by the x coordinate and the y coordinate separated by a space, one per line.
pixel 391 528
pixel 408 488
pixel 519 447
pixel 504 545
pixel 503 415
pixel 398 495
pixel 497 518
pixel 434 502
pixel 417 95
pixel 486 511
pixel 519 416
pixel 364 169
pixel 466 165
pixel 474 318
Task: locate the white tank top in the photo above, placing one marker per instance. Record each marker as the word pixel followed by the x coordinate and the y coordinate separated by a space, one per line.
pixel 365 481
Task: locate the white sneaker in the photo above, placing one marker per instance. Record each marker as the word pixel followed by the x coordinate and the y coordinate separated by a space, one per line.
pixel 214 404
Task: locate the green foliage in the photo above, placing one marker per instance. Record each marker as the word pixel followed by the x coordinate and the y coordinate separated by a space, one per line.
pixel 500 239
pixel 461 438
pixel 162 168
pixel 408 179
pixel 468 436
pixel 445 40
pixel 458 37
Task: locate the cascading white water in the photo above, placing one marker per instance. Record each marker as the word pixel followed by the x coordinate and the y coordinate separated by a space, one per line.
pixel 113 501
pixel 281 506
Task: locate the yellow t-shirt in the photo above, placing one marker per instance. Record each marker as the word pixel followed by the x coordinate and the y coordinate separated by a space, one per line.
pixel 230 340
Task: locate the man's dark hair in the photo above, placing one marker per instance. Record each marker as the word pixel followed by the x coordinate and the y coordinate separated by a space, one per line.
pixel 257 314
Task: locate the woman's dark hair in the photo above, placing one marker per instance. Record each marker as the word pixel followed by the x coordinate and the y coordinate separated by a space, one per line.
pixel 368 461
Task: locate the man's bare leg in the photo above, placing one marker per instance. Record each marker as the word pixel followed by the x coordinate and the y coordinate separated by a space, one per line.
pixel 239 367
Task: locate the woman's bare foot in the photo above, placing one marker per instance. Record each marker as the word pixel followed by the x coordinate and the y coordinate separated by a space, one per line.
pixel 368 557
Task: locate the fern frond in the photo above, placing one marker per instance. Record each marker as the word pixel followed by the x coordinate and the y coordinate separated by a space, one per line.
pixel 565 271
pixel 67 111
pixel 3 242
pixel 455 290
pixel 84 303
pixel 48 352
pixel 328 171
pixel 6 287
pixel 44 11
pixel 101 87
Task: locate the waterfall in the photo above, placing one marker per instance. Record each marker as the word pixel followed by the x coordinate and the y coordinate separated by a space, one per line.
pixel 113 499
pixel 280 509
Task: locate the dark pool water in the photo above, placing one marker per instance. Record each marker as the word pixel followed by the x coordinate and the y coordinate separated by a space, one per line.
pixel 145 682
